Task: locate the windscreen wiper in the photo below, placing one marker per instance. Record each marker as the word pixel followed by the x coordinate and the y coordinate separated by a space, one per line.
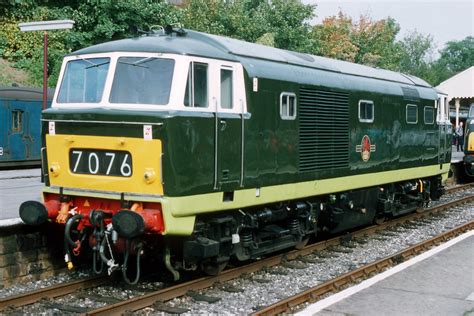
pixel 92 63
pixel 138 62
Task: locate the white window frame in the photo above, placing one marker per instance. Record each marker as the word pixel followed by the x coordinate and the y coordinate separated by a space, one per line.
pixel 192 86
pixel 178 85
pixel 286 116
pixel 406 113
pixel 424 115
pixel 373 111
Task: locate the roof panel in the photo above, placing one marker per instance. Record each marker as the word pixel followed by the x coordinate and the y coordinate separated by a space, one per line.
pixel 24 93
pixel 219 47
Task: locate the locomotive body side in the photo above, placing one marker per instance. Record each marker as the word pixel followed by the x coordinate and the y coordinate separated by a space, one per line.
pixel 251 150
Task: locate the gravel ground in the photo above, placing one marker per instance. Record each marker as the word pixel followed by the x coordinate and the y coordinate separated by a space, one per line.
pixel 248 293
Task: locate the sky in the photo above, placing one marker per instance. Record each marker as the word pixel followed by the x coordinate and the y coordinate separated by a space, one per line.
pixel 445 20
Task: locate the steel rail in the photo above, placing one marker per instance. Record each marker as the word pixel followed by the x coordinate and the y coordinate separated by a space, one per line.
pixel 312 295
pixel 178 290
pixel 459 187
pixel 51 292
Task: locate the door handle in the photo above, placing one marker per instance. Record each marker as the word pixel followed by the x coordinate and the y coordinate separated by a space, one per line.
pixel 223 124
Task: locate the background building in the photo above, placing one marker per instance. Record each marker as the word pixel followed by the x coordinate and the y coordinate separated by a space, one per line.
pixel 460 91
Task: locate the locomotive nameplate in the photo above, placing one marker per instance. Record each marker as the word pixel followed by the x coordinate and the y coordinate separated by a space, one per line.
pixel 100 162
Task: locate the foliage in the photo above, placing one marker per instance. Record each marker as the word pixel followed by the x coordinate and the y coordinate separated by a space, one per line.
pixel 376 42
pixel 95 21
pixel 458 55
pixel 365 41
pixel 455 57
pixel 279 23
pixel 98 21
pixel 333 38
pixel 416 55
pixel 10 75
pixel 289 22
pixel 25 49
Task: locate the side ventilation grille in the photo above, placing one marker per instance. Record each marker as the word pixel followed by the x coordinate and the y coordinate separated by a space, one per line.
pixel 324 130
pixel 410 94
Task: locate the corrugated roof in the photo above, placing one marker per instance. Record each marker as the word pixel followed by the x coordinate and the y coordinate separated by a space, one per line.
pixel 219 47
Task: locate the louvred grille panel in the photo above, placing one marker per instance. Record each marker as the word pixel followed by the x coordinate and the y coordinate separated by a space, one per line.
pixel 324 130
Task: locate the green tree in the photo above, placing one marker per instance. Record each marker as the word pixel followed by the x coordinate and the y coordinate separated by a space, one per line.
pixel 96 21
pixel 280 23
pixel 455 57
pixel 417 55
pixel 289 23
pixel 25 49
pixel 365 41
pixel 458 55
pixel 376 41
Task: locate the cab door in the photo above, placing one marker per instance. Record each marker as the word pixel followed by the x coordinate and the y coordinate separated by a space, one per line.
pixel 228 128
pixel 445 130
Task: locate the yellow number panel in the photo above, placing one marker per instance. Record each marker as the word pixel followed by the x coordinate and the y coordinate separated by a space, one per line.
pixel 146 175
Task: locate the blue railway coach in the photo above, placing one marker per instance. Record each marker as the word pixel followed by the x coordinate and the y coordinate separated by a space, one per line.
pixel 20 128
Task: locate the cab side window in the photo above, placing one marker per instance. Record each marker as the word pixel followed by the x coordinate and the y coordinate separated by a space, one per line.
pixel 226 89
pixel 366 111
pixel 287 106
pixel 197 86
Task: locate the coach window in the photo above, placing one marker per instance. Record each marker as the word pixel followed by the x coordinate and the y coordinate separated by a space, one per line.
pixel 226 88
pixel 288 106
pixel 197 86
pixel 17 121
pixel 412 114
pixel 366 111
pixel 429 115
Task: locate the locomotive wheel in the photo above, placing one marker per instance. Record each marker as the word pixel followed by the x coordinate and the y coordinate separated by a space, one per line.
pixel 213 267
pixel 379 220
pixel 419 210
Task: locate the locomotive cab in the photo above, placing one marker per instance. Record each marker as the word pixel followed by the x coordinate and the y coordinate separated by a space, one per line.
pixel 156 86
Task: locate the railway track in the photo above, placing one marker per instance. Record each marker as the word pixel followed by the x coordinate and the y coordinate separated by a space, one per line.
pixel 314 294
pixel 150 299
pixel 178 290
pixel 51 292
pixel 459 187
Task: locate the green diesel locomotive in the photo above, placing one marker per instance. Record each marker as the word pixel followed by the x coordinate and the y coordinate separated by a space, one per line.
pixel 198 149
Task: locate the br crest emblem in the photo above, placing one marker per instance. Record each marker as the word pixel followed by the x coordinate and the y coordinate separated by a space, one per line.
pixel 365 148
